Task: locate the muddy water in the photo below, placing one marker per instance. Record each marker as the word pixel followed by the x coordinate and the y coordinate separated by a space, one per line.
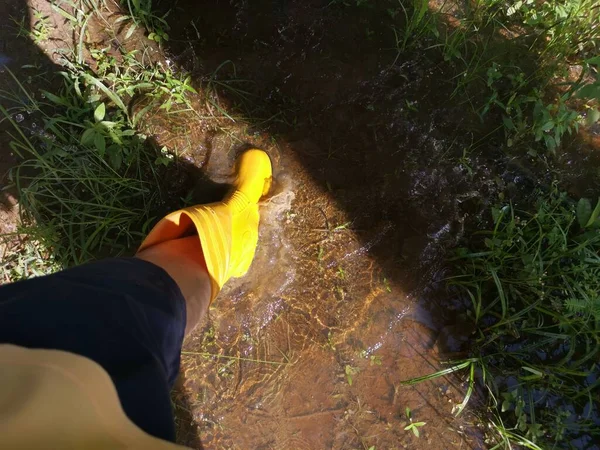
pixel 344 299
pixel 308 350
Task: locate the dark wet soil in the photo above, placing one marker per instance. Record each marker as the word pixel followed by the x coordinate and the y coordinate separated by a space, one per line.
pixel 14 54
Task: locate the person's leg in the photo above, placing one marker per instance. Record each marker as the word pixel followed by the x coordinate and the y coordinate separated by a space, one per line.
pixel 182 259
pixel 130 315
pixel 126 314
pixel 203 246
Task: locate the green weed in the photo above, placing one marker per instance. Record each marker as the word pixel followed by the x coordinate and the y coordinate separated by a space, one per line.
pixel 23 255
pixel 535 102
pixel 127 76
pixel 413 426
pixel 88 181
pixel 419 23
pixel 40 30
pixel 231 84
pixel 142 16
pixel 82 201
pixel 534 284
pixel 350 372
pixel 513 59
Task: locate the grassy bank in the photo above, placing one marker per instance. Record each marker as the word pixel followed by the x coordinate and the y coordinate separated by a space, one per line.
pixel 89 181
pixel 533 284
pixel 530 68
pixel 531 279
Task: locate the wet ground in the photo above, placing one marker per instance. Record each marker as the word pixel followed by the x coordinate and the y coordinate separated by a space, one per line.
pixel 310 347
pixel 373 188
pixel 341 302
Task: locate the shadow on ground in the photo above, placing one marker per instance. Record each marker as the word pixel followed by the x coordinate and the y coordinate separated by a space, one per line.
pixel 410 167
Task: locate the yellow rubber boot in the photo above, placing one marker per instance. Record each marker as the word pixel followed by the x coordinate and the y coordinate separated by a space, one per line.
pixel 228 230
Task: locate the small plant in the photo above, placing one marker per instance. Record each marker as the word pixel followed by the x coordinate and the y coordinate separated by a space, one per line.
pixel 330 342
pixel 412 426
pixel 25 256
pixel 124 78
pixel 221 81
pixel 587 90
pixel 350 372
pixel 553 121
pixel 375 360
pixel 40 30
pixel 386 285
pixel 88 180
pixel 79 202
pixel 419 23
pixel 142 16
pixel 41 27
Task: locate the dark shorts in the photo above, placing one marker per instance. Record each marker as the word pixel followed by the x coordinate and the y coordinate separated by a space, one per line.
pixel 126 314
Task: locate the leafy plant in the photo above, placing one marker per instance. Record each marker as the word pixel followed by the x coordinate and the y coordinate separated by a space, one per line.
pixel 142 16
pixel 40 30
pixel 419 22
pixel 413 426
pixel 80 203
pixel 590 90
pixel 350 372
pixel 88 181
pixel 25 256
pixel 534 285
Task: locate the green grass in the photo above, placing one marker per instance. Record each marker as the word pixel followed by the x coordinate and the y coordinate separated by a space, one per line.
pixel 512 61
pixel 81 181
pixel 418 24
pixel 141 15
pixel 89 182
pixel 23 255
pixel 533 281
pixel 40 30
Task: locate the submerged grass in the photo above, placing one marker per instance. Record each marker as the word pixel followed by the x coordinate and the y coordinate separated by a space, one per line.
pixel 534 285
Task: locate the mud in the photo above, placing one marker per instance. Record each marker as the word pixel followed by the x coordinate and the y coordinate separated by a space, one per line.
pixel 308 350
pixel 343 301
pixel 345 298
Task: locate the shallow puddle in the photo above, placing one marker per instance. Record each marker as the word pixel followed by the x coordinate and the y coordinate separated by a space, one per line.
pixel 308 350
pixel 343 300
